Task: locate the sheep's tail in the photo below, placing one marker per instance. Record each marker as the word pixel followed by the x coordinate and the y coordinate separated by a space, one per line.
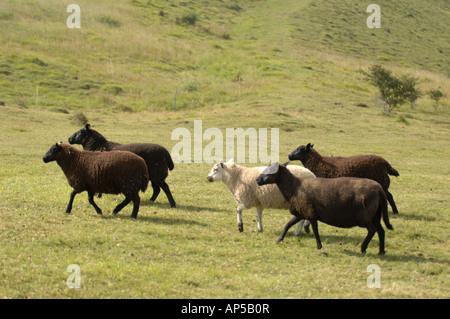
pixel 384 210
pixel 144 185
pixel 169 161
pixel 144 181
pixel 392 171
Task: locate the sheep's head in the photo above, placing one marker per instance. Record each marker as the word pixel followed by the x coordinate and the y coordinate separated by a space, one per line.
pixel 215 174
pixel 269 175
pixel 81 135
pixel 301 153
pixel 52 153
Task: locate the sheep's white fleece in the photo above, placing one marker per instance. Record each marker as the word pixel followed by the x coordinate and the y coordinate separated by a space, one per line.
pixel 241 181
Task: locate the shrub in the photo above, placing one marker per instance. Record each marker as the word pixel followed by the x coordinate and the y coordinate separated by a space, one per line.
pixel 435 95
pixel 410 92
pixel 189 19
pixel 393 91
pixel 110 21
pixel 113 89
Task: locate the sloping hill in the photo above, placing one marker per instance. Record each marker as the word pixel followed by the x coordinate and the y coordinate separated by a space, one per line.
pixel 133 55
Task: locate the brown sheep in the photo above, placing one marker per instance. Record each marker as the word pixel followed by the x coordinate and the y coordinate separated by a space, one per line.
pixel 342 202
pixel 157 158
pixel 101 172
pixel 364 166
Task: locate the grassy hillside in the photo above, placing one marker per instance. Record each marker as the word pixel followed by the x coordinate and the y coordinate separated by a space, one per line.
pixel 292 65
pixel 133 55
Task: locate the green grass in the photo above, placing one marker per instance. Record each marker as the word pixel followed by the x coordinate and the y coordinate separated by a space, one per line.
pixel 122 78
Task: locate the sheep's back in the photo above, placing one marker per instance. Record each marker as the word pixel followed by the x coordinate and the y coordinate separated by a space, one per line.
pixel 342 202
pixel 363 166
pixel 156 157
pixel 115 172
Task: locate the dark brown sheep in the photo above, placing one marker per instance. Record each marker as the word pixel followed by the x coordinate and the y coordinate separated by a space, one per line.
pixel 101 172
pixel 364 166
pixel 342 202
pixel 156 157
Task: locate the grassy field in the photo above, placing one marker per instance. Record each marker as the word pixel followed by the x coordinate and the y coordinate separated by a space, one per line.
pixel 261 64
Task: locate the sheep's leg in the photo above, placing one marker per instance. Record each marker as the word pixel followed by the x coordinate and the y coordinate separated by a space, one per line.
pixel 371 229
pixel 239 218
pixel 69 206
pixel 381 236
pixel 91 201
pixel 303 223
pixel 121 205
pixel 290 223
pixel 156 190
pixel 316 233
pixel 166 190
pixel 306 226
pixel 259 212
pixel 390 199
pixel 136 202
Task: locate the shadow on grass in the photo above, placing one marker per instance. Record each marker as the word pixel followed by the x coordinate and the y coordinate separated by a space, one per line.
pixel 392 256
pixel 155 219
pixel 189 208
pixel 352 247
pixel 410 217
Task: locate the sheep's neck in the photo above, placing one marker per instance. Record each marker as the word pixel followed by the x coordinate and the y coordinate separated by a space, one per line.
pixel 68 161
pixel 230 177
pixel 97 142
pixel 288 185
pixel 319 165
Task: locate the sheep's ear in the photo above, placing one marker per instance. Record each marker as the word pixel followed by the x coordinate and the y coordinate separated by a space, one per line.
pixel 88 126
pixel 271 169
pixel 309 146
pixel 58 145
pixel 221 164
pixel 287 163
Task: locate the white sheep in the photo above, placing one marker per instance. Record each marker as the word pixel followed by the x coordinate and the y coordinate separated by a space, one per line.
pixel 241 181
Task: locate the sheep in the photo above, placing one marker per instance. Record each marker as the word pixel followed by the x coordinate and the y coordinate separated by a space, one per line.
pixel 156 157
pixel 342 202
pixel 365 166
pixel 101 172
pixel 242 185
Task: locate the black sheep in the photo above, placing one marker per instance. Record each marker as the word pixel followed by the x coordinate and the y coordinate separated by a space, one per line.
pixel 101 172
pixel 342 202
pixel 156 157
pixel 364 166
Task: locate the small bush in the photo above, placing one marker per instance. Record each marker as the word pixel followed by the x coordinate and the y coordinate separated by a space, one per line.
pixel 6 15
pixel 436 96
pixel 110 21
pixel 113 89
pixel 38 62
pixel 393 90
pixel 189 19
pixel 401 119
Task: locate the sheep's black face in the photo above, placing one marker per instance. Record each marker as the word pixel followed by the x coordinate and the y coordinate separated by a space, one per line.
pixel 301 153
pixel 269 175
pixel 50 156
pixel 80 136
